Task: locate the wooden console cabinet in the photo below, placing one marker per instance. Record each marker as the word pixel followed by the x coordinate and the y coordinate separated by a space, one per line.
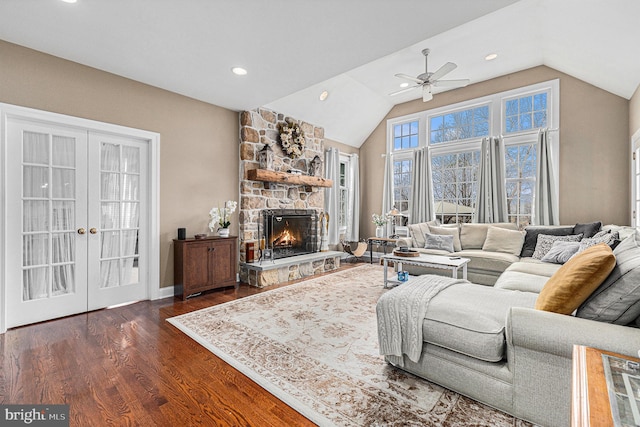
pixel 204 264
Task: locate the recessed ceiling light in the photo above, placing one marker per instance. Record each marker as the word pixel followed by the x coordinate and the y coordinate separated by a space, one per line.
pixel 405 84
pixel 70 1
pixel 239 71
pixel 324 95
pixel 491 57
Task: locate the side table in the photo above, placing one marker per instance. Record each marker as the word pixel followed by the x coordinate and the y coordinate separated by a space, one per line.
pixel 380 241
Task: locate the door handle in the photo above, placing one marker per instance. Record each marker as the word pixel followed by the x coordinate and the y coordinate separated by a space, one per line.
pixel 93 230
pixel 81 230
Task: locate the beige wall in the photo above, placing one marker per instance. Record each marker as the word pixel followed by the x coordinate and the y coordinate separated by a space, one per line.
pixel 199 142
pixel 344 148
pixel 634 112
pixel 594 135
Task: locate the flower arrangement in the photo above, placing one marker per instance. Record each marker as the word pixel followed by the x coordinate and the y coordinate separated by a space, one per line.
pixel 292 139
pixel 379 220
pixel 221 215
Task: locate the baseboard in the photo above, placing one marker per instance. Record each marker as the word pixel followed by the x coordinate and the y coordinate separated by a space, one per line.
pixel 165 292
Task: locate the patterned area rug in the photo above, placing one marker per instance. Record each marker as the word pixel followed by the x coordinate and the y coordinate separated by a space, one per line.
pixel 315 346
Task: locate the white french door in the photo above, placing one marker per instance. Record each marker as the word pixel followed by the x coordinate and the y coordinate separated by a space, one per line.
pixel 75 220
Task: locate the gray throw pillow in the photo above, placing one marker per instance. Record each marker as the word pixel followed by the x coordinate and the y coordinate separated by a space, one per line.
pixel 588 229
pixel 617 299
pixel 602 237
pixel 545 242
pixel 439 241
pixel 532 232
pixel 561 252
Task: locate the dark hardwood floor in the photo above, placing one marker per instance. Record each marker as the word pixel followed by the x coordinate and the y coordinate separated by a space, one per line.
pixel 128 366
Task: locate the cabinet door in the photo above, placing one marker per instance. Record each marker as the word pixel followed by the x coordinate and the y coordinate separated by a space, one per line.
pixel 197 266
pixel 224 262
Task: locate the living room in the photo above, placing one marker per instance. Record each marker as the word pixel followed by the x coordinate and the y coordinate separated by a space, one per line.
pixel 199 163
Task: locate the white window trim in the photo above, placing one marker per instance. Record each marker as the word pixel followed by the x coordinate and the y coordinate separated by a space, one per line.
pixel 346 159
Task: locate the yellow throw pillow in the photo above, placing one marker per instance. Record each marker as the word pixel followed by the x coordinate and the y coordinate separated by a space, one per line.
pixel 572 284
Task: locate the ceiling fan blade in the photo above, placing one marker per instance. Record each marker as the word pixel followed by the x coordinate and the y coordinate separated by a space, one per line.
pixel 407 77
pixel 426 93
pixel 445 69
pixel 451 83
pixel 407 89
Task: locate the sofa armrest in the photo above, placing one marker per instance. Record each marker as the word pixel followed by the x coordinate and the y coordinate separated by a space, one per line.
pixel 557 333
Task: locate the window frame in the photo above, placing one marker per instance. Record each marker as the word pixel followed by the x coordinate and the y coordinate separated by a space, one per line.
pixel 497 125
pixel 344 160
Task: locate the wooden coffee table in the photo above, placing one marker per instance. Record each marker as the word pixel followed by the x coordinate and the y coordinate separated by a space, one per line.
pixel 452 264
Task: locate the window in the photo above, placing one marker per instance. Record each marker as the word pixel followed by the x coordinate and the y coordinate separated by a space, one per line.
pixel 402 170
pixel 526 113
pixel 344 194
pixel 459 125
pixel 453 135
pixel 405 136
pixel 520 165
pixel 455 178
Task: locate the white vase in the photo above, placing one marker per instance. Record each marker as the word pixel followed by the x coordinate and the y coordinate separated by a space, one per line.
pixel 380 231
pixel 223 232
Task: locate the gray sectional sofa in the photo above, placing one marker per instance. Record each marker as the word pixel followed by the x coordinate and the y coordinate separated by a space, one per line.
pixel 491 344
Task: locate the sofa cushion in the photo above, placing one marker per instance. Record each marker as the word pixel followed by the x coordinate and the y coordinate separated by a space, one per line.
pixel 416 231
pixel 561 252
pixel 519 281
pixel 473 235
pixel 572 284
pixel 436 241
pixel 488 261
pixel 588 229
pixel 470 319
pixel 545 242
pixel 503 240
pixel 448 231
pixel 617 299
pixel 531 236
pixel 534 266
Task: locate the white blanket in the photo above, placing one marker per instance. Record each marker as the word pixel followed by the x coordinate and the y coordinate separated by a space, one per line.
pixel 401 312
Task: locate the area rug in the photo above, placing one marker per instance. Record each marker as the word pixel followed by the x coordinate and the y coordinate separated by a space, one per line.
pixel 314 345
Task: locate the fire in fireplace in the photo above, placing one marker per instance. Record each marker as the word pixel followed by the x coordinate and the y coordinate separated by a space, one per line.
pixel 289 232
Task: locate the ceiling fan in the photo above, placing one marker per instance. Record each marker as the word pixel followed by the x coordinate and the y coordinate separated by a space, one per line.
pixel 427 80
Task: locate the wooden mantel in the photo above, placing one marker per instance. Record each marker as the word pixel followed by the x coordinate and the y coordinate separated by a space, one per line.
pixel 268 176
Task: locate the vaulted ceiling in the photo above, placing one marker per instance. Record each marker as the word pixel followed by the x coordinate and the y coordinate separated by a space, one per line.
pixel 294 50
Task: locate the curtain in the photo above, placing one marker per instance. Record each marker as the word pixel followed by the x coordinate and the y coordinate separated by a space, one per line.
pixel 545 208
pixel 353 205
pixel 387 185
pixel 332 195
pixel 491 201
pixel 421 202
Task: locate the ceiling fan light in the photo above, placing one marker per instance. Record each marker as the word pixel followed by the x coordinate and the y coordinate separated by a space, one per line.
pixel 405 84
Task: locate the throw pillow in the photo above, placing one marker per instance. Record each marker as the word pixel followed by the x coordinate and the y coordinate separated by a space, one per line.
pixel 616 300
pixel 602 237
pixel 572 284
pixel 503 240
pixel 449 231
pixel 531 238
pixel 417 232
pixel 561 252
pixel 587 230
pixel 473 235
pixel 441 242
pixel 545 242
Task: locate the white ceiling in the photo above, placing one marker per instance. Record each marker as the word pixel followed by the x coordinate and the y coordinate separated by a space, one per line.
pixel 295 49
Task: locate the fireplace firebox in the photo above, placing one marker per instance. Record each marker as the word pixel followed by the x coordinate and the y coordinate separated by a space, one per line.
pixel 288 232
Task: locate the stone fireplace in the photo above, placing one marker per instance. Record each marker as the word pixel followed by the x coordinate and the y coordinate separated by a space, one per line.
pixel 290 232
pixel 291 260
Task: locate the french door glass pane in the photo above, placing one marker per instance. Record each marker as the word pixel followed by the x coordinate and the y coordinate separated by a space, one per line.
pixel 35 215
pixel 35 148
pixel 110 244
pixel 109 273
pixel 130 215
pixel 131 159
pixel 110 215
pixel 63 247
pixel 130 187
pixel 110 188
pixel 35 181
pixel 130 242
pixel 34 283
pixel 63 151
pixel 35 249
pixel 63 183
pixel 130 274
pixel 63 279
pixel 110 157
pixel 62 215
